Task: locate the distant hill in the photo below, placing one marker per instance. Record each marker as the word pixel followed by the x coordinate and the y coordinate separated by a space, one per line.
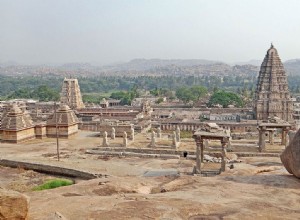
pixel 147 64
pixel 250 62
pixel 151 67
pixel 292 66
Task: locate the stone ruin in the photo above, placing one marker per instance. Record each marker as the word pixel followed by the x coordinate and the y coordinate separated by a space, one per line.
pixel 113 133
pixel 105 141
pixel 117 126
pixel 276 120
pixel 175 142
pixel 125 141
pixel 290 156
pixel 210 131
pixel 158 132
pixel 153 139
pixel 177 132
pixel 211 127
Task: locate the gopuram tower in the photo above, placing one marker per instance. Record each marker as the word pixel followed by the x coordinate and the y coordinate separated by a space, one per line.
pixel 70 94
pixel 272 96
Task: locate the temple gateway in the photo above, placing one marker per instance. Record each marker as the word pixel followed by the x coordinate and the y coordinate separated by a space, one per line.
pixel 272 95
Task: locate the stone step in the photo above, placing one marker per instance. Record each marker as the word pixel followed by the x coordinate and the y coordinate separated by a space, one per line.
pixel 209 173
pixel 190 154
pixel 132 154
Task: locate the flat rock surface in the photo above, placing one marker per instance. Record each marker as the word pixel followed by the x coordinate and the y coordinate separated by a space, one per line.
pixel 13 205
pixel 256 188
pixel 261 196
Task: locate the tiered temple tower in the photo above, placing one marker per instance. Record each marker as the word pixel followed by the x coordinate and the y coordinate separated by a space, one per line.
pixel 70 94
pixel 272 96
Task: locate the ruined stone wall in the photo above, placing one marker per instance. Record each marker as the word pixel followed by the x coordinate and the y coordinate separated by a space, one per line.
pixel 96 126
pixel 48 169
pixel 89 126
pixel 119 129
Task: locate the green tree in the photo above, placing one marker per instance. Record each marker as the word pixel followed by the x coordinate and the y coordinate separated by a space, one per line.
pixel 225 98
pixel 159 100
pixel 42 93
pixel 45 93
pixel 199 91
pixel 185 95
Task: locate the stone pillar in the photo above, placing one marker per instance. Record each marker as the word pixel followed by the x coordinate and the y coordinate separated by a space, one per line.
pixel 229 145
pixel 283 137
pixel 158 132
pixel 223 163
pixel 153 139
pixel 105 142
pixel 113 133
pixel 262 139
pixel 132 134
pixel 177 134
pixel 205 143
pixel 174 140
pixel 125 139
pixel 199 160
pixel 271 137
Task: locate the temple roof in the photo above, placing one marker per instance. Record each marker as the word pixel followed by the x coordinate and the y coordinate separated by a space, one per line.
pixel 64 115
pixel 16 120
pixel 272 76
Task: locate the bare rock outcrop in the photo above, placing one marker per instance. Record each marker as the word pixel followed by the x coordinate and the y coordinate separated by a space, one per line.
pixel 290 157
pixel 13 205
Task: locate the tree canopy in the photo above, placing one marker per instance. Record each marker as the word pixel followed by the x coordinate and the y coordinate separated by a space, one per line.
pixel 126 97
pixel 191 94
pixel 225 99
pixel 42 93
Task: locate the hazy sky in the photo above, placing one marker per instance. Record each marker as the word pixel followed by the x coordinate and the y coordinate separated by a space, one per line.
pixel 107 31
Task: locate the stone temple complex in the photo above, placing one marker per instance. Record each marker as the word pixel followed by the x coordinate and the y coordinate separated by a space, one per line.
pixel 272 96
pixel 70 94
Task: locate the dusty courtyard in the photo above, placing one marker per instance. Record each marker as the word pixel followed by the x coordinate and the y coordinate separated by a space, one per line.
pixel 257 188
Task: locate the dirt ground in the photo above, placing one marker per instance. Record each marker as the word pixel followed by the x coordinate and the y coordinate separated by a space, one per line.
pixel 256 188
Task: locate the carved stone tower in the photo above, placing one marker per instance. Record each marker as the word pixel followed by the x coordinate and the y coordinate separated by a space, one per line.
pixel 70 94
pixel 272 96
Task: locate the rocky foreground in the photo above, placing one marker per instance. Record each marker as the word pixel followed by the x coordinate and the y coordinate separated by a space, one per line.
pixel 257 188
pixel 259 196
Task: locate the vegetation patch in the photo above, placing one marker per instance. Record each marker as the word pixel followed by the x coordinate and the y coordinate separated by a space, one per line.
pixel 186 134
pixel 51 184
